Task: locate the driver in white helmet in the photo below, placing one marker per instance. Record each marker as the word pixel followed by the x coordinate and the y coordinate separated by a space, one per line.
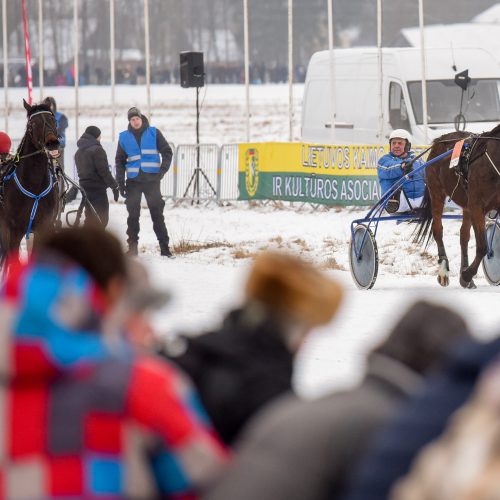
pixel 396 164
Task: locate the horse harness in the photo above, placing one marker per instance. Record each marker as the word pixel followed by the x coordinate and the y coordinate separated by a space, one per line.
pixel 467 158
pixel 8 171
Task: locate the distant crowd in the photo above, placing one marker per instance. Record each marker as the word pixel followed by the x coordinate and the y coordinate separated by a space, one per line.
pixel 135 74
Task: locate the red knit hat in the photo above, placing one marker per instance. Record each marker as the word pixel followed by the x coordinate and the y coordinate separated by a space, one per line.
pixel 5 143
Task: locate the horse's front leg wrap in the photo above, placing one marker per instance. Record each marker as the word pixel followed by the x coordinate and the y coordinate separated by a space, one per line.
pixel 443 271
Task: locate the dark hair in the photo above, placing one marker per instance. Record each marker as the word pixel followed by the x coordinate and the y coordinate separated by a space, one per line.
pixel 93 248
pixel 424 335
pixel 93 131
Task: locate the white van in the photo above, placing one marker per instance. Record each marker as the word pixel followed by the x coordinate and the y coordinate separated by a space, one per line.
pixel 357 106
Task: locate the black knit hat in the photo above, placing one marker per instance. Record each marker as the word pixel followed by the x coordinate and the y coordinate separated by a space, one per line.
pixel 93 131
pixel 133 112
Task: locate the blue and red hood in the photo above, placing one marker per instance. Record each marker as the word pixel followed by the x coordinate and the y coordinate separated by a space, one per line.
pixel 51 314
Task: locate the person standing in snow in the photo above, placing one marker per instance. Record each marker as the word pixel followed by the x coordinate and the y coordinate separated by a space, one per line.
pixel 94 175
pixel 144 155
pixel 62 125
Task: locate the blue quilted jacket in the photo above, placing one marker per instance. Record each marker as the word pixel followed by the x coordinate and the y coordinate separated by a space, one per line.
pixel 389 171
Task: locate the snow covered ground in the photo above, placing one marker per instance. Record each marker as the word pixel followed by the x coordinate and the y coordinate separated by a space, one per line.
pixel 206 283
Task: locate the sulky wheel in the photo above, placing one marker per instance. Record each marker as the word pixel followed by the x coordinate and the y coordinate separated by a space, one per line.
pixel 491 261
pixel 363 257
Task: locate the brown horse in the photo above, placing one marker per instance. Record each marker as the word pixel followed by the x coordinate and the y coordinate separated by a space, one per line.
pixel 477 194
pixel 31 198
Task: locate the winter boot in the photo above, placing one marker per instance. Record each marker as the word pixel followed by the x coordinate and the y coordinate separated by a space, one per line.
pixel 165 250
pixel 132 249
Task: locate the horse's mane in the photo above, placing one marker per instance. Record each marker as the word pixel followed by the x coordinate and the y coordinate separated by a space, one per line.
pixel 492 133
pixel 450 137
pixel 480 145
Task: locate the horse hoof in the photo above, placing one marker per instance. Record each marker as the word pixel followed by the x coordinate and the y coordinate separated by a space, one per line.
pixel 466 276
pixel 463 283
pixel 443 280
pixel 471 285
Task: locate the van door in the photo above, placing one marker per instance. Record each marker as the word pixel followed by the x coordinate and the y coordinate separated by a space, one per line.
pixel 398 110
pixel 316 112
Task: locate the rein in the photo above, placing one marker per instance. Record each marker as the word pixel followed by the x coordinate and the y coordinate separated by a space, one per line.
pixel 18 157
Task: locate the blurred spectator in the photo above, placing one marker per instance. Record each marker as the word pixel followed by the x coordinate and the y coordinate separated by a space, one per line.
pixel 305 450
pixel 87 417
pixel 464 463
pixel 140 298
pixel 62 125
pixel 249 361
pixel 94 175
pixel 421 420
pixel 5 147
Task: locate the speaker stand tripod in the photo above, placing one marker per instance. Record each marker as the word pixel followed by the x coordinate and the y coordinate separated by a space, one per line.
pixel 195 178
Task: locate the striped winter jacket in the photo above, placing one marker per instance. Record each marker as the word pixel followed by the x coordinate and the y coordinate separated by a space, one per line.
pixel 81 418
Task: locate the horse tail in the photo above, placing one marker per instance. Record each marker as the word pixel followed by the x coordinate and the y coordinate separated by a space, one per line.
pixel 423 234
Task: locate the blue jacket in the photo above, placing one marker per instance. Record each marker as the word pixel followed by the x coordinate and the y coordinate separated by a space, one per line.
pixel 420 421
pixel 389 172
pixel 146 157
pixel 61 125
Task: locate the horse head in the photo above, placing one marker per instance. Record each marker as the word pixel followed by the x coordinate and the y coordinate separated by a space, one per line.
pixel 41 128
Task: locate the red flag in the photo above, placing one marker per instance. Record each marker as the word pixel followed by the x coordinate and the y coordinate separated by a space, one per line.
pixel 29 75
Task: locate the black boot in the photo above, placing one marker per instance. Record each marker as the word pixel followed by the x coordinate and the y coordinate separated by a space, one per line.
pixel 132 249
pixel 165 250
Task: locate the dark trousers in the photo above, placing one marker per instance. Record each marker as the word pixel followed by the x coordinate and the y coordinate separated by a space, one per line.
pixel 98 197
pixel 156 204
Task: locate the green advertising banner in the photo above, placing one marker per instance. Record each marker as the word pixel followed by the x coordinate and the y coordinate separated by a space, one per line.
pixel 333 175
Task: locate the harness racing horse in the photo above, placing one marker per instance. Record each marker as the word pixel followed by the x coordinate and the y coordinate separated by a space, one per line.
pixel 31 200
pixel 476 193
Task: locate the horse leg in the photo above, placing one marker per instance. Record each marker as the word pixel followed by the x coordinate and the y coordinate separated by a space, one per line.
pixel 437 231
pixel 477 219
pixel 464 243
pixel 10 247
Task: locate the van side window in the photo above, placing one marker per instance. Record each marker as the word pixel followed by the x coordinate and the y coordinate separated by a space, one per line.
pixel 398 113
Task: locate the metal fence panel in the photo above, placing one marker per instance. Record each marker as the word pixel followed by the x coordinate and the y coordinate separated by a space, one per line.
pixel 216 179
pixel 196 172
pixel 228 187
pixel 167 183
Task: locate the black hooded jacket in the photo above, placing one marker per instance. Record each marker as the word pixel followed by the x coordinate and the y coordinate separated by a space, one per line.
pixel 238 368
pixel 161 145
pixel 92 164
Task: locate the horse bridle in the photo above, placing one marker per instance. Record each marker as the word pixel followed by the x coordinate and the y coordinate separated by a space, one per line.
pixel 29 131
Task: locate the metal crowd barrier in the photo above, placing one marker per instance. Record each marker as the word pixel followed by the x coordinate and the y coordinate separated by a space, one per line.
pixel 216 179
pixel 203 173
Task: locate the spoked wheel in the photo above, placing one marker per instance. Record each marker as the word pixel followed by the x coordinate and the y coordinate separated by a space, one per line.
pixel 364 266
pixel 491 261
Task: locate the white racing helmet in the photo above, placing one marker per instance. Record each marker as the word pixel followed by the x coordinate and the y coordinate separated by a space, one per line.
pixel 401 133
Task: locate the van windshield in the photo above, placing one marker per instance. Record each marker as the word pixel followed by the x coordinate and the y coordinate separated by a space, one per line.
pixel 481 101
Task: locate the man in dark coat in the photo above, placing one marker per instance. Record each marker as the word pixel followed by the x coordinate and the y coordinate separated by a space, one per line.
pixel 249 361
pixel 145 156
pixel 306 450
pixel 420 421
pixel 94 175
